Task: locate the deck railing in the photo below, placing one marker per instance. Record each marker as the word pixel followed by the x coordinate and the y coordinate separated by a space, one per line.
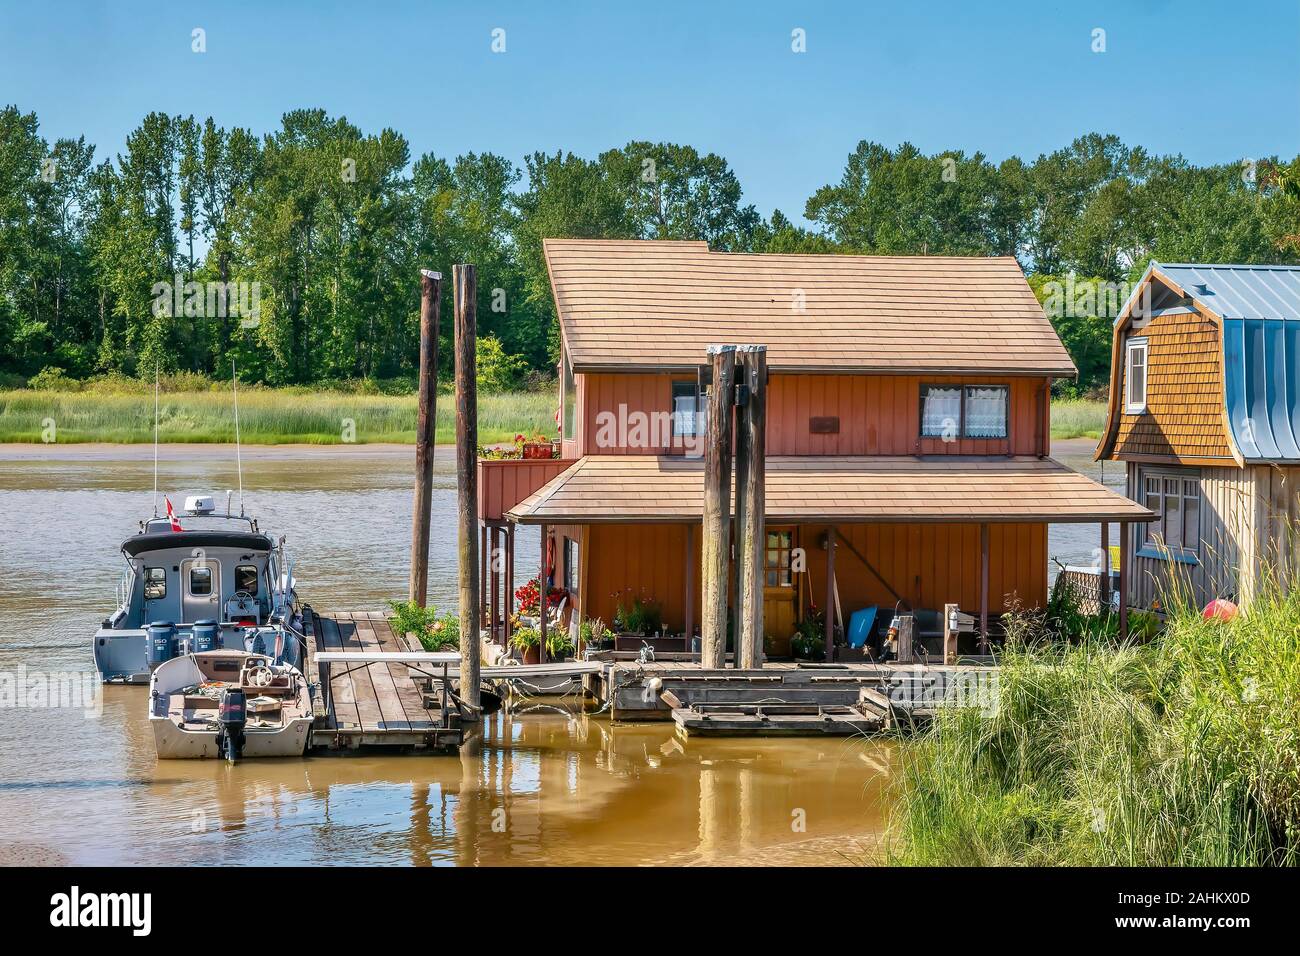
pixel 503 483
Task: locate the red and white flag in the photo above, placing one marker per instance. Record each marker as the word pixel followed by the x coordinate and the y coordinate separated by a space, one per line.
pixel 171 516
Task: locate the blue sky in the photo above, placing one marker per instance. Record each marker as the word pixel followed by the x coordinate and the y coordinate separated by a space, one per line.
pixel 1214 81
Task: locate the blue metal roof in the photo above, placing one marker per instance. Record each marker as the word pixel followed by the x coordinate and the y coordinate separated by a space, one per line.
pixel 1260 308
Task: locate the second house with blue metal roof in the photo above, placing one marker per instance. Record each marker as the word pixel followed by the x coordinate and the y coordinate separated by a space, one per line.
pixel 1205 412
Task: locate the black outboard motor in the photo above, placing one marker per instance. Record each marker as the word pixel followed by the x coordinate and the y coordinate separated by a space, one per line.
pixel 232 714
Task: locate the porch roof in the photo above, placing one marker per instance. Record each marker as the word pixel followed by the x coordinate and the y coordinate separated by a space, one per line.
pixel 847 490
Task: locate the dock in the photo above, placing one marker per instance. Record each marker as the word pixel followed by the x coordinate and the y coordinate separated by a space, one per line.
pixel 373 703
pixel 785 698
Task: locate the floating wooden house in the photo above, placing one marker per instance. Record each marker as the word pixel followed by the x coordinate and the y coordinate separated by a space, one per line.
pixel 1205 412
pixel 907 436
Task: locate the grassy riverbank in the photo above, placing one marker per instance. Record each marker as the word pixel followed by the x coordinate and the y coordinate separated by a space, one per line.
pixel 285 416
pixel 266 417
pixel 1078 418
pixel 1183 751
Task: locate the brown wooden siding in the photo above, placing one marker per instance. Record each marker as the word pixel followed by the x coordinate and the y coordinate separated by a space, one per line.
pixel 876 414
pixel 929 565
pixel 503 484
pixel 1184 414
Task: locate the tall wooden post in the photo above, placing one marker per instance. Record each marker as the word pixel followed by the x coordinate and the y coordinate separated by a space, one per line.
pixel 465 290
pixel 830 594
pixel 752 548
pixel 688 560
pixel 425 431
pixel 740 468
pixel 542 603
pixel 984 589
pixel 714 544
pixel 1124 551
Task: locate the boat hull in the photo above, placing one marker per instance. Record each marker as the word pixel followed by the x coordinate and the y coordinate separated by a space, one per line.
pixel 173 743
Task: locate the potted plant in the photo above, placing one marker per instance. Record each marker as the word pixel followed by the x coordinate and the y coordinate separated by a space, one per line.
pixel 536 447
pixel 527 598
pixel 595 634
pixel 528 641
pixel 809 640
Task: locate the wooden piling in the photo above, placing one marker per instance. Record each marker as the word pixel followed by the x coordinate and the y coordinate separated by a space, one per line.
pixel 425 431
pixel 465 288
pixel 714 544
pixel 751 548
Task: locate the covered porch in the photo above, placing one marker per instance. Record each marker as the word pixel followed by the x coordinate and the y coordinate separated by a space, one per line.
pixel 844 535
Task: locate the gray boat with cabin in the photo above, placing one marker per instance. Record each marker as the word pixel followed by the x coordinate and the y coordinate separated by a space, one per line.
pixel 217 583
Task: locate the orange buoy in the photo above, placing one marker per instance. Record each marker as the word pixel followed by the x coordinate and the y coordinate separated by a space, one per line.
pixel 1220 609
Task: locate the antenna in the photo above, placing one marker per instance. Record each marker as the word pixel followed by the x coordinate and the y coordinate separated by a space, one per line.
pixel 239 461
pixel 155 440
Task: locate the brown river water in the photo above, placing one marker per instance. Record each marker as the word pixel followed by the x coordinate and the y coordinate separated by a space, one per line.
pixel 550 786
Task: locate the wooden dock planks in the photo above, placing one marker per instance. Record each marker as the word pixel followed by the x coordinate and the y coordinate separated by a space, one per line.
pixel 374 703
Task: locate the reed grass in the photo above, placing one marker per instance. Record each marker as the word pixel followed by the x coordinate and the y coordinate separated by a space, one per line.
pixel 266 417
pixel 1182 751
pixel 1078 418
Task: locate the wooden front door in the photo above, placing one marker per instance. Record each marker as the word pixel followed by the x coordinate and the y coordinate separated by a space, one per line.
pixel 779 590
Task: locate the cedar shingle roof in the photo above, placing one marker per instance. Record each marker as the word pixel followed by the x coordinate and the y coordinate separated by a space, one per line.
pixel 618 488
pixel 637 304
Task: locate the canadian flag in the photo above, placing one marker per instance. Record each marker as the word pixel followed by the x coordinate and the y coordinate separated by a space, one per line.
pixel 171 516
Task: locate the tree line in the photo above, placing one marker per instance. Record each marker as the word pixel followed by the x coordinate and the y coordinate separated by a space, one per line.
pixel 296 253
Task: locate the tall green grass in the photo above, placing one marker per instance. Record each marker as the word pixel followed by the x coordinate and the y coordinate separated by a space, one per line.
pixel 1078 418
pixel 266 416
pixel 1184 751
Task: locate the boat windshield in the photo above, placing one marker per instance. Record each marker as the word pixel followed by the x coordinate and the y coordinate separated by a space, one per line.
pixel 202 523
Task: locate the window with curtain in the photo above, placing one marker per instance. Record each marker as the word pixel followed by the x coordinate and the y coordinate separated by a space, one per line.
pixel 686 408
pixel 986 411
pixel 970 411
pixel 1135 382
pixel 940 411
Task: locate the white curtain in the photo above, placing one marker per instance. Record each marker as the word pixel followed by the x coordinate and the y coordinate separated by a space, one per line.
pixel 986 412
pixel 941 412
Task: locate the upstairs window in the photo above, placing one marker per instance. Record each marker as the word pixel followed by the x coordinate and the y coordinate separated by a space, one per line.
pixel 570 399
pixel 963 411
pixel 686 410
pixel 1135 377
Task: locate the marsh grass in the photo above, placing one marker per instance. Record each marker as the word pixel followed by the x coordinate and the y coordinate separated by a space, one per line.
pixel 1078 418
pixel 1181 751
pixel 266 416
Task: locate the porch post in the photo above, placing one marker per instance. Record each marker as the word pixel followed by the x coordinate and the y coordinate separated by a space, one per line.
pixel 688 560
pixel 541 600
pixel 507 625
pixel 494 583
pixel 984 589
pixel 483 583
pixel 829 608
pixel 717 507
pixel 1104 591
pixel 1123 579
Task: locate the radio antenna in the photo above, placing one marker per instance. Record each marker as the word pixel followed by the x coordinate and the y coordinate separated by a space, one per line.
pixel 239 461
pixel 155 440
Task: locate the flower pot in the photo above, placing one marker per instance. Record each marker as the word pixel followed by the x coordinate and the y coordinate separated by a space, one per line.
pixel 536 450
pixel 532 655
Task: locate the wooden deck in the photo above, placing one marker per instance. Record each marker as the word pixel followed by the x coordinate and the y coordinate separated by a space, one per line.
pixel 370 704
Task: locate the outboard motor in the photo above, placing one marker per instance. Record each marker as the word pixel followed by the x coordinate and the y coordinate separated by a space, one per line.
pixel 232 714
pixel 162 643
pixel 205 636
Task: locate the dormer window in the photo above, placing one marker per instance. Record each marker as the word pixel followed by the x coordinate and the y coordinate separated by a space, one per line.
pixel 1135 377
